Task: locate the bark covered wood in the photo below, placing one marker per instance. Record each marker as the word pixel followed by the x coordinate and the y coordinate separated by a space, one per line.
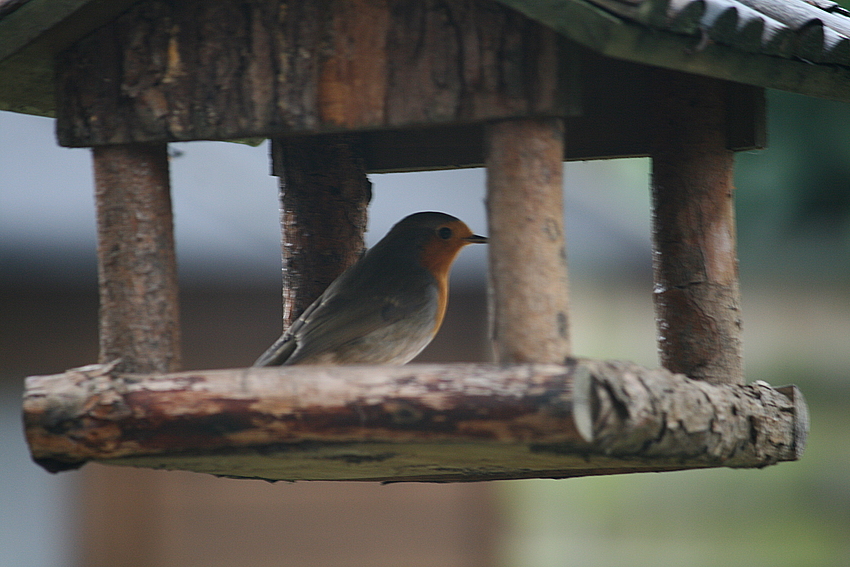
pixel 416 422
pixel 137 267
pixel 628 410
pixel 697 296
pixel 529 291
pixel 324 195
pixel 230 69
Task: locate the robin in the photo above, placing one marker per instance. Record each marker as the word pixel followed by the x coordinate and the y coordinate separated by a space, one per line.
pixel 385 308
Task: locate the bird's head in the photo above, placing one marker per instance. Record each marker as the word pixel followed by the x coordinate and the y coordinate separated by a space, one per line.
pixel 436 237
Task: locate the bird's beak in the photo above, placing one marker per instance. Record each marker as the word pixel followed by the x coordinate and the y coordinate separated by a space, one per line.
pixel 475 239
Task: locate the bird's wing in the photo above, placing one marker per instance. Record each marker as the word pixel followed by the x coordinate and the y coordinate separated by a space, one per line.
pixel 340 319
pixel 279 352
pixel 286 344
pixel 356 304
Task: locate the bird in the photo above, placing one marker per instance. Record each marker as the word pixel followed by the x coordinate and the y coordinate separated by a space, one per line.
pixel 387 306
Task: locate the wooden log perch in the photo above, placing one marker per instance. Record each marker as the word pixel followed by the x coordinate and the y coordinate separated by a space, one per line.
pixel 627 410
pixel 457 422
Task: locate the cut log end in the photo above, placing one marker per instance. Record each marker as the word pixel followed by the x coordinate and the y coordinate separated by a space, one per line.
pixel 622 409
pixel 801 418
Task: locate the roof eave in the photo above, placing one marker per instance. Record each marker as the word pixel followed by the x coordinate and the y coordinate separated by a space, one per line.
pixel 619 38
pixel 30 37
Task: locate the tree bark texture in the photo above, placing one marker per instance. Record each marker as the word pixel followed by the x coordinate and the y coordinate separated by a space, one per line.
pixel 137 268
pixel 324 198
pixel 697 297
pixel 416 422
pixel 529 291
pixel 169 70
pixel 626 410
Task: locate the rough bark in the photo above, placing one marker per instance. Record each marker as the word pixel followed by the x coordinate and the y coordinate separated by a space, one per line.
pixel 627 410
pixel 697 296
pixel 324 198
pixel 232 69
pixel 529 291
pixel 417 422
pixel 137 269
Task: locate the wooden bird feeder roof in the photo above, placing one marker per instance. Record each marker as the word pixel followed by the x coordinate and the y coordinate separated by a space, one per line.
pixel 801 46
pixel 515 85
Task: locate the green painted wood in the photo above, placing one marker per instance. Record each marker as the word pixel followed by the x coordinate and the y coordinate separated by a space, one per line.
pixel 611 36
pixel 36 17
pixel 30 38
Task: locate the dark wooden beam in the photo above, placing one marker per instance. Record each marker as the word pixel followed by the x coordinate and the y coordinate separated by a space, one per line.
pixel 610 112
pixel 229 69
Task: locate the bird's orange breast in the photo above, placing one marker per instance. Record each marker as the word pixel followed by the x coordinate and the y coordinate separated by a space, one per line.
pixel 437 257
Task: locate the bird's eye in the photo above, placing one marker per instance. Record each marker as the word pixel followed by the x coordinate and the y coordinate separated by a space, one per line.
pixel 445 233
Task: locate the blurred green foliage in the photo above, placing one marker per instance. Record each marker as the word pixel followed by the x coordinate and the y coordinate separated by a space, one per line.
pixel 793 207
pixel 794 197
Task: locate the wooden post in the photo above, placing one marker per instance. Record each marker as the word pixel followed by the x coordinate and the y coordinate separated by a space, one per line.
pixel 324 195
pixel 139 324
pixel 529 297
pixel 137 270
pixel 697 298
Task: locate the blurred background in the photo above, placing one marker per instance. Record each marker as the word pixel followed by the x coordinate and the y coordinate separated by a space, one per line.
pixel 793 210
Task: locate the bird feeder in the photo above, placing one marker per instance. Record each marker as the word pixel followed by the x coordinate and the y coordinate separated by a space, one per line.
pixel 349 87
